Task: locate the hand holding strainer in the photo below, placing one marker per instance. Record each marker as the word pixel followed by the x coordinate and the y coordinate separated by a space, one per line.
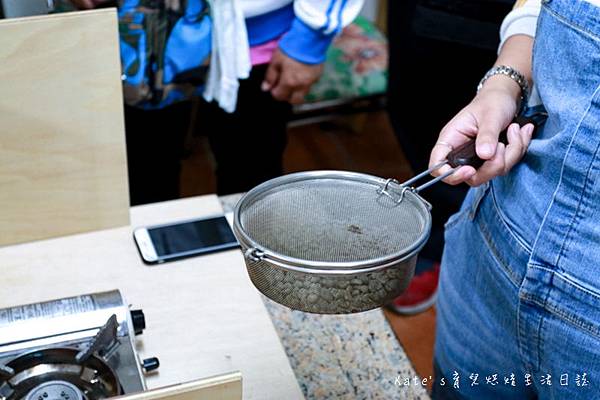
pixel 466 154
pixel 335 242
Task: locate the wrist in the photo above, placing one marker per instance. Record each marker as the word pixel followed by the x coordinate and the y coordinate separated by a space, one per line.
pixel 507 80
pixel 503 84
pixel 305 44
pixel 500 95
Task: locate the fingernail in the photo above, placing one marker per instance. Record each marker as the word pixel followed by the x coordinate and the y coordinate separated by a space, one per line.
pixel 265 86
pixel 529 129
pixel 513 131
pixel 469 174
pixel 486 150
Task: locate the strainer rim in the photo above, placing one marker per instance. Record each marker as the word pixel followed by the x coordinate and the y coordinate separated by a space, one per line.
pixel 282 259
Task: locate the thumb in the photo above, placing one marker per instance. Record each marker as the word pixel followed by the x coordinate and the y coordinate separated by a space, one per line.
pixel 271 77
pixel 486 141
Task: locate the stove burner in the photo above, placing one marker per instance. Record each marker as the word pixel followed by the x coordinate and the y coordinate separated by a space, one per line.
pixel 55 390
pixel 54 374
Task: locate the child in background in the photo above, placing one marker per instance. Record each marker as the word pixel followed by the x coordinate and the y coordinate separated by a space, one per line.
pixel 288 41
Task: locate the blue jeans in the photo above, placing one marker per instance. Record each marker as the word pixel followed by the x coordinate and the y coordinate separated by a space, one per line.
pixel 519 296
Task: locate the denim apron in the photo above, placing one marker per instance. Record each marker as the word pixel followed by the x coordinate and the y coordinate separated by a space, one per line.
pixel 519 296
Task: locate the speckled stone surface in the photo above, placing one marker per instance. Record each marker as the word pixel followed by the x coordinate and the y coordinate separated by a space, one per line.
pixel 338 357
pixel 352 356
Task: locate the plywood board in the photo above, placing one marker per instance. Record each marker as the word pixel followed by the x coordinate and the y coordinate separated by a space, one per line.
pixel 63 166
pixel 221 387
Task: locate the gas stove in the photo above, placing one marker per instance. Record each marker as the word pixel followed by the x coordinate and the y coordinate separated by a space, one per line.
pixel 77 348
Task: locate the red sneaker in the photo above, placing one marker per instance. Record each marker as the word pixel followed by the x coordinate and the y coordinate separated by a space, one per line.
pixel 421 293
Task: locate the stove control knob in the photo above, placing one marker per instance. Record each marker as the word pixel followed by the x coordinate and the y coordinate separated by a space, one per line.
pixel 150 364
pixel 139 321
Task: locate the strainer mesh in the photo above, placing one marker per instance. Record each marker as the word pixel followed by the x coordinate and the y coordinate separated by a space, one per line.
pixel 332 220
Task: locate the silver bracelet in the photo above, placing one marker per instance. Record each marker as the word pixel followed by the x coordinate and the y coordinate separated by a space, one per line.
pixel 512 74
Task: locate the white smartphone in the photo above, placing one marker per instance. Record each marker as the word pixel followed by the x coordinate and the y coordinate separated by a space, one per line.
pixel 169 242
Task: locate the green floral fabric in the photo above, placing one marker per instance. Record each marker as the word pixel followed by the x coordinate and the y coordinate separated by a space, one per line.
pixel 356 64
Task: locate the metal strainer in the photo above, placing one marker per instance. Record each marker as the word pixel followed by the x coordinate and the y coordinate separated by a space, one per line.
pixel 334 242
pixel 331 241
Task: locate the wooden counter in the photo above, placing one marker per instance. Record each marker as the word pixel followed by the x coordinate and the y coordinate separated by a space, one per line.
pixel 203 315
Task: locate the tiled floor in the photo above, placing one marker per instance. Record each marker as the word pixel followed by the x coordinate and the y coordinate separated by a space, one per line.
pixel 369 147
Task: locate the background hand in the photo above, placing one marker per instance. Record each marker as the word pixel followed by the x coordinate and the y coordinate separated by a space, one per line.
pixel 483 119
pixel 290 80
pixel 86 4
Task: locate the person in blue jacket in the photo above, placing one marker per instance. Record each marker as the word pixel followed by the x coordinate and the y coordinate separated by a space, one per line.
pixel 288 42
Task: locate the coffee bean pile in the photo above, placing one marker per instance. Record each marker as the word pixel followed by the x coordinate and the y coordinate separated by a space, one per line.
pixel 330 294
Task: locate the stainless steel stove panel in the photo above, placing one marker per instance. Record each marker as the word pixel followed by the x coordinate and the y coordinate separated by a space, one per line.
pixel 84 342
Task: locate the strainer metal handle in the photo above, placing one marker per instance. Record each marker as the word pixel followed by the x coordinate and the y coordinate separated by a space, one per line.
pixel 254 254
pixel 403 187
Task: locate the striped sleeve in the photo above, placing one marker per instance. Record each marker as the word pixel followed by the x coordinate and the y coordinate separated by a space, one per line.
pixel 315 25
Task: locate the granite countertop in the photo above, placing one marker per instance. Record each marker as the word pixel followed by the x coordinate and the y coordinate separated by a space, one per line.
pixel 354 356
